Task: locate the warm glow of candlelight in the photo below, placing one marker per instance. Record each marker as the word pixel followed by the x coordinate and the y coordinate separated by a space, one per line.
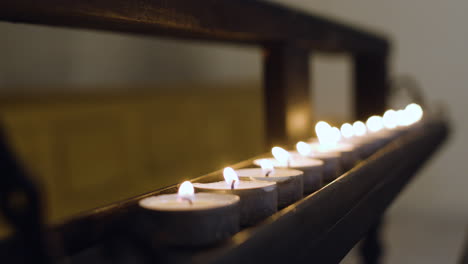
pixel 326 135
pixel 359 128
pixel 230 176
pixel 403 119
pixel 414 111
pixel 374 123
pixel 336 134
pixel 321 129
pixel 303 148
pixel 281 155
pixel 390 119
pixel 267 166
pixel 186 190
pixel 347 130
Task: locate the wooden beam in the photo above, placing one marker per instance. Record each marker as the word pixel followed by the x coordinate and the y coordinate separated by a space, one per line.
pixel 255 22
pixel 370 84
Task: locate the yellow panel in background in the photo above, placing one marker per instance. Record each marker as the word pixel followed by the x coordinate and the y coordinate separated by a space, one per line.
pixel 88 150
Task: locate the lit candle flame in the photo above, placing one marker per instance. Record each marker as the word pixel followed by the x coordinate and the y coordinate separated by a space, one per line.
pixel 267 166
pixel 347 130
pixel 231 178
pixel 281 155
pixel 336 134
pixel 403 118
pixel 390 119
pixel 186 192
pixel 326 135
pixel 303 148
pixel 374 123
pixel 414 111
pixel 359 128
pixel 321 129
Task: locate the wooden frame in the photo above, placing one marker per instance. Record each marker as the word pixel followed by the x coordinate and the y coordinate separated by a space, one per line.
pixel 287 37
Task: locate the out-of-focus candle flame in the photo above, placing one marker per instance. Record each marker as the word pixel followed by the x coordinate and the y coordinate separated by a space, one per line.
pixel 359 128
pixel 186 191
pixel 281 155
pixel 336 134
pixel 267 166
pixel 230 176
pixel 347 130
pixel 322 125
pixel 403 119
pixel 303 148
pixel 390 119
pixel 414 111
pixel 321 129
pixel 326 135
pixel 374 123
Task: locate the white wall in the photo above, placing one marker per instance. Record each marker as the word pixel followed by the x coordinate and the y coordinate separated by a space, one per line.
pixel 33 55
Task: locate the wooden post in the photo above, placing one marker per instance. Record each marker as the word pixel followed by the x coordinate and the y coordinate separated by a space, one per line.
pixel 370 95
pixel 370 84
pixel 288 109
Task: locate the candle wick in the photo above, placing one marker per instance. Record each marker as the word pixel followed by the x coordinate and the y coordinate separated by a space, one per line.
pixel 232 184
pixel 289 163
pixel 188 200
pixel 268 173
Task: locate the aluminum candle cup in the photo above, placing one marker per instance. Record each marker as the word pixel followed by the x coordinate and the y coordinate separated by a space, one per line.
pixel 382 138
pixel 204 220
pixel 331 163
pixel 349 154
pixel 372 142
pixel 258 200
pixel 312 169
pixel 365 146
pixel 290 183
pixel 349 158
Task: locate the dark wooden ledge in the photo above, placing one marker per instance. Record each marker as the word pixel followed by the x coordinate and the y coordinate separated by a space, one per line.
pixel 246 21
pixel 323 226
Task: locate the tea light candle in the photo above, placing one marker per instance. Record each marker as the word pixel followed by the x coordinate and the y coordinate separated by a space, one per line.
pixel 258 199
pixel 348 137
pixel 312 168
pixel 189 219
pixel 290 183
pixel 331 160
pixel 377 130
pixel 349 155
pixel 374 138
pixel 413 114
pixel 364 144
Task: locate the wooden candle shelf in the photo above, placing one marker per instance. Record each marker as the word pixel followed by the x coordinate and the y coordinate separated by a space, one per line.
pixel 323 226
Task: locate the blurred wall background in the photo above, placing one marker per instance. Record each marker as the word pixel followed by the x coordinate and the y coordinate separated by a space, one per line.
pixel 428 37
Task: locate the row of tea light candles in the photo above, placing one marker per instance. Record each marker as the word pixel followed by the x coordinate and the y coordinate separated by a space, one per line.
pixel 247 196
